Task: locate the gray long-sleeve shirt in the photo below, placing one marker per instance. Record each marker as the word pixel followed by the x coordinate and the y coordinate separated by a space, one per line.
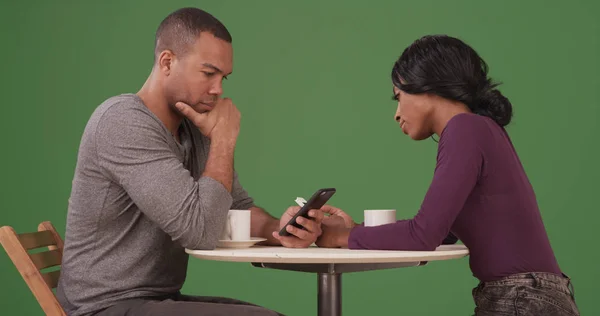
pixel 138 199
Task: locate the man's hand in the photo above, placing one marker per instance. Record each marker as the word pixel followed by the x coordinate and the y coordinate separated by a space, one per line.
pixel 301 238
pixel 222 125
pixel 222 122
pixel 336 228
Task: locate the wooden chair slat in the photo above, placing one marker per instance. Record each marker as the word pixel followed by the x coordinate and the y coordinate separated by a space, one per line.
pixel 46 259
pixel 43 226
pixel 51 278
pixel 37 239
pixel 29 265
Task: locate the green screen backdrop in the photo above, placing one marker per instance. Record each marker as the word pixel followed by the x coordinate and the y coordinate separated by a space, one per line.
pixel 312 80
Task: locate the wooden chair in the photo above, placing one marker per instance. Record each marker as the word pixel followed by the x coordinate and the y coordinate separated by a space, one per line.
pixel 29 264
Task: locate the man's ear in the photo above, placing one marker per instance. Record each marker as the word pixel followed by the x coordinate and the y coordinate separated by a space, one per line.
pixel 165 61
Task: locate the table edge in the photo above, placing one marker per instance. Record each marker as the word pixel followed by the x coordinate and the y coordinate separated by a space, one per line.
pixel 447 255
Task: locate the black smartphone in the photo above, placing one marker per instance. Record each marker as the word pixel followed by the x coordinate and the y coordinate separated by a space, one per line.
pixel 316 201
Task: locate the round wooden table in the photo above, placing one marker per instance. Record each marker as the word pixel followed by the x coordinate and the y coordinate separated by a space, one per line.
pixel 329 264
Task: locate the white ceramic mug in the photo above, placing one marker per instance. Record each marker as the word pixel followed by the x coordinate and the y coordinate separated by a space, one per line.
pixel 379 217
pixel 237 226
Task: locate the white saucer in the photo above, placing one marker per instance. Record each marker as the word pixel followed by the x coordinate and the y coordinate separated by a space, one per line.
pixel 240 243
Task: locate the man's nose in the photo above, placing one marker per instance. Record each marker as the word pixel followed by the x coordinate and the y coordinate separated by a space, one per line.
pixel 216 89
pixel 398 118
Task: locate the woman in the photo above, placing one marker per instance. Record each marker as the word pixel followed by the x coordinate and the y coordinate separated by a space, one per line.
pixel 479 192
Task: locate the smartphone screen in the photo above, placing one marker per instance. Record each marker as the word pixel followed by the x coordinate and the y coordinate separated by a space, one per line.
pixel 317 201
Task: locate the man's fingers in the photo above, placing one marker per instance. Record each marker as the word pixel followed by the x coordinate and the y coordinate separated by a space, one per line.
pixel 201 120
pixel 310 225
pixel 185 109
pixel 300 233
pixel 317 215
pixel 188 112
pixel 288 241
pixel 292 210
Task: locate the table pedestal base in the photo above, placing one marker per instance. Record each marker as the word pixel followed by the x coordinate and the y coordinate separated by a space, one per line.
pixel 329 279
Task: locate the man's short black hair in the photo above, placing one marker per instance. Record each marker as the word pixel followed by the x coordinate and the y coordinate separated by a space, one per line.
pixel 181 28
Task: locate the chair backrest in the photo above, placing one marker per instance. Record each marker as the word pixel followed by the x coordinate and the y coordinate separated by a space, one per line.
pixel 40 283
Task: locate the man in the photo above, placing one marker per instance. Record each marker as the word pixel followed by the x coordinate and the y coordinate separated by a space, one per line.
pixel 155 175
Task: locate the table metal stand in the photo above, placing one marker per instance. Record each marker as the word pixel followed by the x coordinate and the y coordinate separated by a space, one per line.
pixel 329 279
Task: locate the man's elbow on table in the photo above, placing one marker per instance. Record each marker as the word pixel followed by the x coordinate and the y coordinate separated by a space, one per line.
pixel 203 220
pixel 198 237
pixel 214 202
pixel 205 244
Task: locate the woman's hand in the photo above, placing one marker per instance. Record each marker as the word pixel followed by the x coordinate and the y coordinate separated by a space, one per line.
pixel 335 228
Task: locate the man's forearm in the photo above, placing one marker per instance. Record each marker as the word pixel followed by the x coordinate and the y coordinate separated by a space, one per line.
pixel 263 225
pixel 219 165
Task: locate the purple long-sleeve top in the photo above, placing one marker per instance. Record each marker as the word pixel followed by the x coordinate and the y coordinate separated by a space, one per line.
pixel 479 193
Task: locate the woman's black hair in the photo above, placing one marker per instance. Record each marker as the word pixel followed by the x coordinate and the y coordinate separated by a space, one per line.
pixel 447 67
